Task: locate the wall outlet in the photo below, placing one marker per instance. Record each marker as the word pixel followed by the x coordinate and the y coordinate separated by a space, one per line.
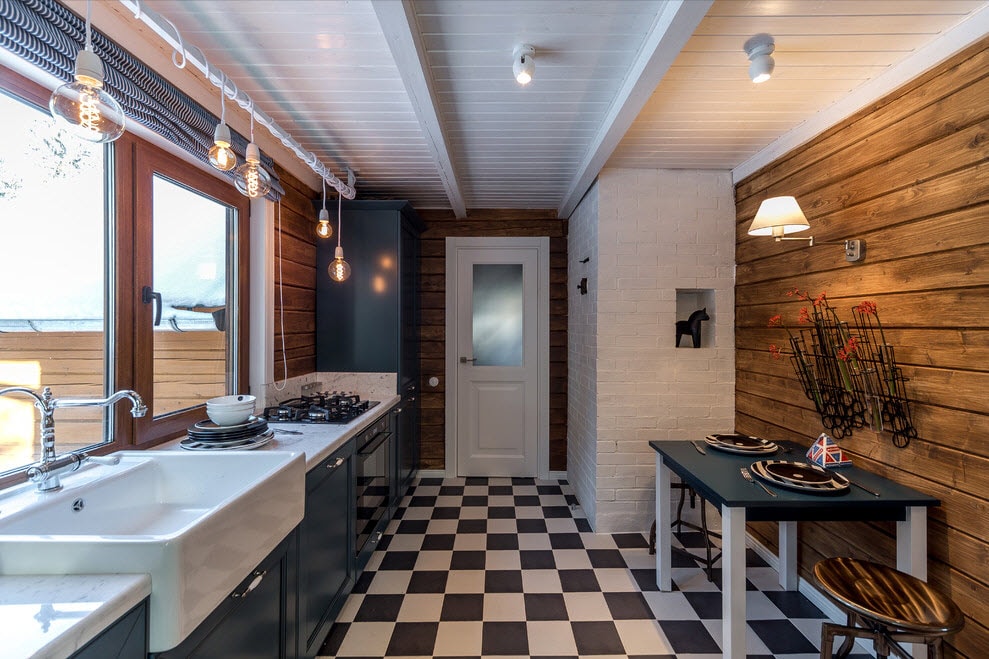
pixel 311 387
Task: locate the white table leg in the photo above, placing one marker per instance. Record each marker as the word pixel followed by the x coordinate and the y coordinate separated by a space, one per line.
pixel 788 555
pixel 664 573
pixel 911 553
pixel 733 582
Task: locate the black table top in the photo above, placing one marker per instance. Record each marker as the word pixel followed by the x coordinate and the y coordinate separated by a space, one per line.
pixel 715 476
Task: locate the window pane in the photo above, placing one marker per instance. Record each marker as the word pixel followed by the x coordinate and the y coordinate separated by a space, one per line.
pixel 497 314
pixel 190 273
pixel 53 269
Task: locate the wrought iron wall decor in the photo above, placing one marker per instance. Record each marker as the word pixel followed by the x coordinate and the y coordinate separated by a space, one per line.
pixel 849 372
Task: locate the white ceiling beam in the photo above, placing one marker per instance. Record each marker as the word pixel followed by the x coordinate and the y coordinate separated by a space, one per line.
pixel 674 25
pixel 398 24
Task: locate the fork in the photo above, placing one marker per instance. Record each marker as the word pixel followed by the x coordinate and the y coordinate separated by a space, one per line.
pixel 747 476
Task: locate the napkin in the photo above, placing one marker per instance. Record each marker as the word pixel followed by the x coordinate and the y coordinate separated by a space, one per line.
pixel 826 453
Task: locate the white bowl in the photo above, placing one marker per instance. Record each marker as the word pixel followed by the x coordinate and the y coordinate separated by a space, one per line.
pixel 228 417
pixel 240 400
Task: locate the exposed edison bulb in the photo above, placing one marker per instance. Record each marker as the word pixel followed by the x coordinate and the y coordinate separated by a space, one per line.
pixel 339 269
pixel 84 106
pixel 221 156
pixel 251 179
pixel 323 228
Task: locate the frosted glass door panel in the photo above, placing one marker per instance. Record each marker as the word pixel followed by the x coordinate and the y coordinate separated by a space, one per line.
pixel 497 317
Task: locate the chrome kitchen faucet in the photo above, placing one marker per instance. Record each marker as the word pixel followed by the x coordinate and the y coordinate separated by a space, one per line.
pixel 46 472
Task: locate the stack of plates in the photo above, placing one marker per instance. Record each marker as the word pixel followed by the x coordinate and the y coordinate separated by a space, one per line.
pixel 741 444
pixel 800 476
pixel 208 436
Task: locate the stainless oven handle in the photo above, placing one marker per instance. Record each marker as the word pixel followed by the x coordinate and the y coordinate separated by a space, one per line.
pixel 371 446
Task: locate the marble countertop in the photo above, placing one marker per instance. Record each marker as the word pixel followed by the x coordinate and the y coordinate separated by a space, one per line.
pixel 53 616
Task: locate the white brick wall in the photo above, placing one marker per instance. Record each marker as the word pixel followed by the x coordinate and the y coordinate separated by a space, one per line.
pixel 657 231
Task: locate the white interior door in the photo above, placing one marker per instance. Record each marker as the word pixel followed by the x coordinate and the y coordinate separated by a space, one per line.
pixel 498 358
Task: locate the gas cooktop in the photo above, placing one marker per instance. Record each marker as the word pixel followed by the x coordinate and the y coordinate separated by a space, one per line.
pixel 325 407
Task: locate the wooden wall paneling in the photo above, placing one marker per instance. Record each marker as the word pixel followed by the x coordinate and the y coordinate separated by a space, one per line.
pixel 441 224
pixel 910 175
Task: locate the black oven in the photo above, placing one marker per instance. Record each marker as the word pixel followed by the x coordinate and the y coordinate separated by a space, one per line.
pixel 372 471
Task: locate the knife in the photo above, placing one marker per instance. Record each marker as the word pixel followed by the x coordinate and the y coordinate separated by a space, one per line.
pixel 700 449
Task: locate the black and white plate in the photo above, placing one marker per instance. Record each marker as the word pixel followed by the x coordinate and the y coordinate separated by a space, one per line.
pixel 741 444
pixel 207 431
pixel 801 477
pixel 247 444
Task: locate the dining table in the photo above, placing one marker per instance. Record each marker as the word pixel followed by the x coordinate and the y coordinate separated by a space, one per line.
pixel 716 476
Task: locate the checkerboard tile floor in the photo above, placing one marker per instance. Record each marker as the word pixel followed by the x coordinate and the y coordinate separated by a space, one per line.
pixel 472 568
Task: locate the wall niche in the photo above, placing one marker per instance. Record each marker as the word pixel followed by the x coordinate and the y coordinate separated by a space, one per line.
pixel 689 301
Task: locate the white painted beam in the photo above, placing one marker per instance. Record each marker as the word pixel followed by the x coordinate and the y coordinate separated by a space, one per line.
pixel 398 23
pixel 673 26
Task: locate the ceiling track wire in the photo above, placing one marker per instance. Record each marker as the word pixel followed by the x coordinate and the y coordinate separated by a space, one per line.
pixel 191 53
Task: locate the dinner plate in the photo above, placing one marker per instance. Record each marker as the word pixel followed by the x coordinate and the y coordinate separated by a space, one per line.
pixel 241 445
pixel 209 426
pixel 800 477
pixel 741 444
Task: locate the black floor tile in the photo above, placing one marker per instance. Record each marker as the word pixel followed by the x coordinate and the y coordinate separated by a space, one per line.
pixel 500 491
pixel 462 607
pixel 583 526
pixel 706 605
pixel 605 558
pixel 469 501
pixel 556 512
pixel 334 640
pixel 467 560
pixel 502 541
pixel 503 581
pixel 475 480
pixel 534 525
pixel 526 500
pixel 597 638
pixel 362 583
pixel 501 638
pixel 565 541
pixel 538 559
pixel 417 526
pixel 422 502
pixel 793 604
pixel 438 542
pixel 628 606
pixel 446 512
pixel 629 540
pixel 428 581
pixel 452 491
pixel 549 489
pixel 689 637
pixel 545 606
pixel 398 560
pixel 379 608
pixel 472 526
pixel 781 637
pixel 576 581
pixel 413 638
pixel 523 481
pixel 430 482
pixel 645 579
pixel 501 512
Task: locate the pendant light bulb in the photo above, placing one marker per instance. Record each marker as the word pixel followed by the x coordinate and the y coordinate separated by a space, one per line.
pixel 524 64
pixel 221 156
pixel 251 179
pixel 84 106
pixel 339 269
pixel 323 227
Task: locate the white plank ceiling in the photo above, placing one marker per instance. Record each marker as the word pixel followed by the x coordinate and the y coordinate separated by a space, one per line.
pixel 419 98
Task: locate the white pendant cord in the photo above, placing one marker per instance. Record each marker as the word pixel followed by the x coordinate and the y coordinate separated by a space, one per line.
pixel 165 29
pixel 281 306
pixel 339 215
pixel 324 194
pixel 89 14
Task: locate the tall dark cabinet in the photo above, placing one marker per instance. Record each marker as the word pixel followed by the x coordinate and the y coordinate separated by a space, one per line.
pixel 370 323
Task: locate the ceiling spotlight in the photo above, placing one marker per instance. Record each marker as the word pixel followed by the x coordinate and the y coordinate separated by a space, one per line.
pixel 759 50
pixel 524 64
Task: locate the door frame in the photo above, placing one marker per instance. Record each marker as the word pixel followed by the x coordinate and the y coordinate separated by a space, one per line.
pixel 541 245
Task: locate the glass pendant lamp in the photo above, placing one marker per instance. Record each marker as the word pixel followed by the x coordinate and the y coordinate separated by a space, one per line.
pixel 251 179
pixel 323 227
pixel 83 105
pixel 339 269
pixel 221 156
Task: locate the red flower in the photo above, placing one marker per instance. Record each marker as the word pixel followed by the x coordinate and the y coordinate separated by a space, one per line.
pixel 821 299
pixel 775 351
pixel 776 321
pixel 795 292
pixel 804 316
pixel 849 350
pixel 866 307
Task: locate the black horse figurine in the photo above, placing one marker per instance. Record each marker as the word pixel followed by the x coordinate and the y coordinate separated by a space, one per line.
pixel 692 326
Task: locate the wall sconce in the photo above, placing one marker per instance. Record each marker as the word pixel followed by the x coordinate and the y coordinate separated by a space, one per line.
pixel 779 216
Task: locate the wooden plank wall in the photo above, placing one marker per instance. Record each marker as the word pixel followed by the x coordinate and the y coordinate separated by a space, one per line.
pixel 439 226
pixel 298 276
pixel 910 176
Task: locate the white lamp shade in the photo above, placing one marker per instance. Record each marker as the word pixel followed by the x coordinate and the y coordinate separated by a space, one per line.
pixel 778 216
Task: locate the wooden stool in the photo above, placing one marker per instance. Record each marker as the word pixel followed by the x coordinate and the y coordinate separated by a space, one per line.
pixel 886 605
pixel 678 523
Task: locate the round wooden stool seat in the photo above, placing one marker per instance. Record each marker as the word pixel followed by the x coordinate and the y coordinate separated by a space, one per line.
pixel 886 605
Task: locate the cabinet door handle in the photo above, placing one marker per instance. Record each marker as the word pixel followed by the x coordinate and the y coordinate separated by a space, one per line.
pixel 336 463
pixel 255 582
pixel 397 410
pixel 464 360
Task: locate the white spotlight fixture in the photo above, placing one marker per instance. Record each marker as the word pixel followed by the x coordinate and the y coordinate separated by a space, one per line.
pixel 251 179
pixel 323 227
pixel 524 64
pixel 89 111
pixel 221 156
pixel 759 50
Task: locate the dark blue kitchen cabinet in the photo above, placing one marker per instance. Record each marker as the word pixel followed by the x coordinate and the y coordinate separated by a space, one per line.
pixel 370 323
pixel 405 426
pixel 127 638
pixel 257 620
pixel 326 555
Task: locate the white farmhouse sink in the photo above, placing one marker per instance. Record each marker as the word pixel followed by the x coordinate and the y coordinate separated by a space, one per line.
pixel 196 522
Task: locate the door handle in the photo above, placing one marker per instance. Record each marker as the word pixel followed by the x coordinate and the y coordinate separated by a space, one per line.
pixel 147 297
pixel 464 360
